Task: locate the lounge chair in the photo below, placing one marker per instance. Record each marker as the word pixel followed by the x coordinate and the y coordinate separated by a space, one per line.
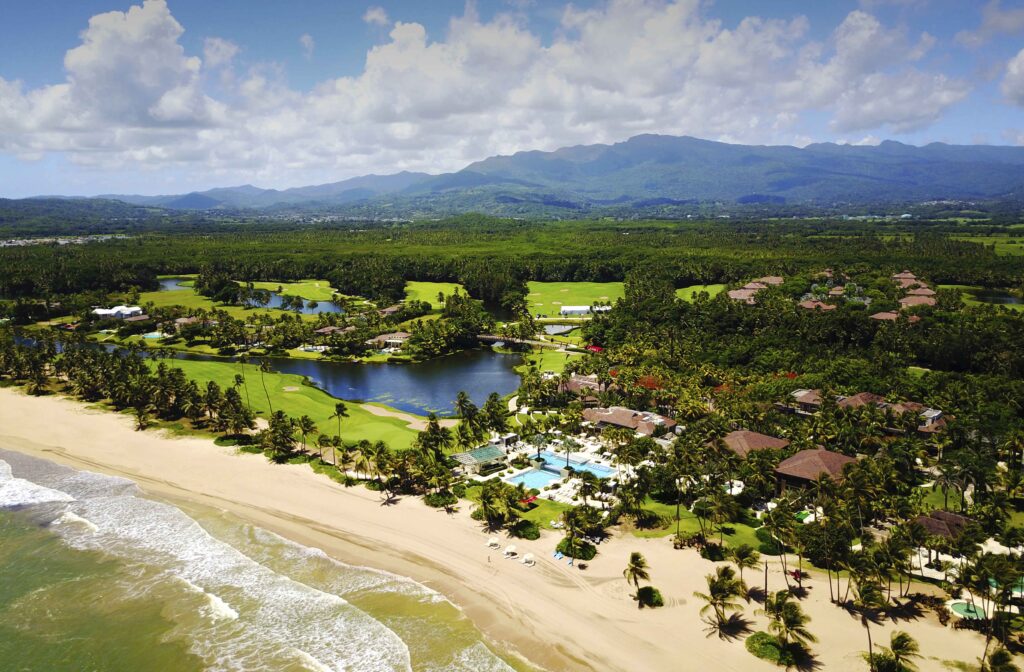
pixel 493 543
pixel 528 560
pixel 510 551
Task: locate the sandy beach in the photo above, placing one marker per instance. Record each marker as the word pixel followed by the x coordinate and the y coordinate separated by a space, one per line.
pixel 555 616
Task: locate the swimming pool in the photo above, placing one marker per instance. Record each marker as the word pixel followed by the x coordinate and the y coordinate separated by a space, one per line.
pixel 967 610
pixel 534 478
pixel 555 461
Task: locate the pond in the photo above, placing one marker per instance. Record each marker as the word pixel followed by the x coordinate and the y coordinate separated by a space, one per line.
pixel 420 388
pixel 171 284
pixel 997 296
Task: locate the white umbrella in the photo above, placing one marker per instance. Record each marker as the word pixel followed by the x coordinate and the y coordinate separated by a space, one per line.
pixel 493 542
pixel 510 550
pixel 528 559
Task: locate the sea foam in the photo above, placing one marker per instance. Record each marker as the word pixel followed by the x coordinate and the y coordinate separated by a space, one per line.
pixel 18 492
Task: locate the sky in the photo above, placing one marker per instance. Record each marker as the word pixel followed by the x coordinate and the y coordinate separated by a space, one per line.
pixel 171 96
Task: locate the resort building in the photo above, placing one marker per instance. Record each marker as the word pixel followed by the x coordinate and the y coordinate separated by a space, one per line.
pixel 744 295
pixel 392 340
pixel 837 291
pixel 643 422
pixel 911 301
pixel 743 442
pixel 921 291
pixel 567 311
pixel 772 280
pixel 807 466
pixel 390 310
pixel 327 331
pixel 890 316
pixel 117 312
pixel 807 401
pixel 481 460
pixel 944 524
pixel 931 419
pixel 142 317
pixel 813 304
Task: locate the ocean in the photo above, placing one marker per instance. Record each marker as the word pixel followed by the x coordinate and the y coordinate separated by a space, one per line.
pixel 96 577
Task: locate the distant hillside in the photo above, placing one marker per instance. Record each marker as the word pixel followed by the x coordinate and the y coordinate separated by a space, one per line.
pixel 651 174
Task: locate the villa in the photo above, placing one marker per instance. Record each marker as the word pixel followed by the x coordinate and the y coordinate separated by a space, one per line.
pixel 117 312
pixel 744 295
pixel 807 401
pixel 390 310
pixel 392 340
pixel 890 316
pixel 921 291
pixel 643 422
pixel 943 524
pixel 911 301
pixel 327 331
pixel 812 304
pixel 773 280
pixel 807 466
pixel 743 442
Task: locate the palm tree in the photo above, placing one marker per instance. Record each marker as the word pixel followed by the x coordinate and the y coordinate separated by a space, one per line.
pixel 745 557
pixel 265 368
pixel 306 427
pixel 340 411
pixel 723 588
pixel 636 571
pixel 790 625
pixel 868 600
pixel 242 358
pixel 1001 660
pixel 902 648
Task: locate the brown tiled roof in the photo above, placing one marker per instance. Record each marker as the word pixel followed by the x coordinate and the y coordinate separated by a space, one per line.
pixel 906 282
pixel 904 275
pixel 917 301
pixel 757 286
pixel 921 291
pixel 390 310
pixel 333 330
pixel 137 318
pixel 743 442
pixel 861 399
pixel 816 305
pixel 809 464
pixel 384 338
pixel 837 291
pixel 579 383
pixel 943 524
pixel 892 316
pixel 746 295
pixel 641 421
pixel 770 280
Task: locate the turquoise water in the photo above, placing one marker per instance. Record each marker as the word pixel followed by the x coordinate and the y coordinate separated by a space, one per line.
pixel 97 577
pixel 967 610
pixel 558 462
pixel 534 478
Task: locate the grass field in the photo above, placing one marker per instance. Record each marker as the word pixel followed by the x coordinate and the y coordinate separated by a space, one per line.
pixel 691 292
pixel 548 297
pixel 547 360
pixel 290 394
pixel 187 298
pixel 427 291
pixel 310 290
pixel 969 298
pixel 735 533
pixel 542 512
pixel 1004 245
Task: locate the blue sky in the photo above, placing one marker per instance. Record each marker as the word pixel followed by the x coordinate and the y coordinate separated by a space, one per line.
pixel 167 96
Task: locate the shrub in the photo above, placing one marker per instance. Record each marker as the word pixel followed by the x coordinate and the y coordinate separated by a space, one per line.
pixel 459 490
pixel 581 550
pixel 768 647
pixel 649 596
pixel 440 499
pixel 712 551
pixel 768 545
pixel 477 514
pixel 526 529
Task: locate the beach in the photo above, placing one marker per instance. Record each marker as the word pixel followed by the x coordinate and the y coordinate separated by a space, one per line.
pixel 555 616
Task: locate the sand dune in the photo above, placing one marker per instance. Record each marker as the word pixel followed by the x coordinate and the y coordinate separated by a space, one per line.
pixel 556 616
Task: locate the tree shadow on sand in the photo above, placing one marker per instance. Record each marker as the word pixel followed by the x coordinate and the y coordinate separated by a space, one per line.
pixel 731 629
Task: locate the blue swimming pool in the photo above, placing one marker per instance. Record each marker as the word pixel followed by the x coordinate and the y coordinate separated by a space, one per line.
pixel 555 461
pixel 534 478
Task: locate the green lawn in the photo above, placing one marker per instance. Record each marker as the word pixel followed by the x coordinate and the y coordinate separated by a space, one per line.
pixel 427 291
pixel 189 299
pixel 548 297
pixel 541 512
pixel 547 360
pixel 310 290
pixel 288 393
pixel 690 293
pixel 1004 244
pixel 735 535
pixel 917 371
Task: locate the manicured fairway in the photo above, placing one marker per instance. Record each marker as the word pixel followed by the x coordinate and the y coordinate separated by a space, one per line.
pixel 427 291
pixel 548 360
pixel 187 298
pixel 547 298
pixel 288 393
pixel 690 293
pixel 1004 245
pixel 310 290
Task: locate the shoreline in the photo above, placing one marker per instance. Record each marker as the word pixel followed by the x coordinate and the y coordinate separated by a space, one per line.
pixel 554 616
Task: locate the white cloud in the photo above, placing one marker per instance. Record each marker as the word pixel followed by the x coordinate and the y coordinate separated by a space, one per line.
pixel 134 98
pixel 376 16
pixel 995 21
pixel 218 52
pixel 308 45
pixel 1013 81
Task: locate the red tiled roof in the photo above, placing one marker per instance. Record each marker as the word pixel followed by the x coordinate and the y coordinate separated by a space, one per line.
pixel 809 464
pixel 921 291
pixel 861 399
pixel 816 305
pixel 907 301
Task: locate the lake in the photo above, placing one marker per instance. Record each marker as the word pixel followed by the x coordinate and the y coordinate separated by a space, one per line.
pixel 997 296
pixel 421 388
pixel 171 284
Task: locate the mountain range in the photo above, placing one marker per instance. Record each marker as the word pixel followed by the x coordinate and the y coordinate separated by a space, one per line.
pixel 649 171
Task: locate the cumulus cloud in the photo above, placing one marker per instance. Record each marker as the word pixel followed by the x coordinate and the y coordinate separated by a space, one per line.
pixel 218 52
pixel 1013 80
pixel 995 21
pixel 308 45
pixel 134 98
pixel 376 16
